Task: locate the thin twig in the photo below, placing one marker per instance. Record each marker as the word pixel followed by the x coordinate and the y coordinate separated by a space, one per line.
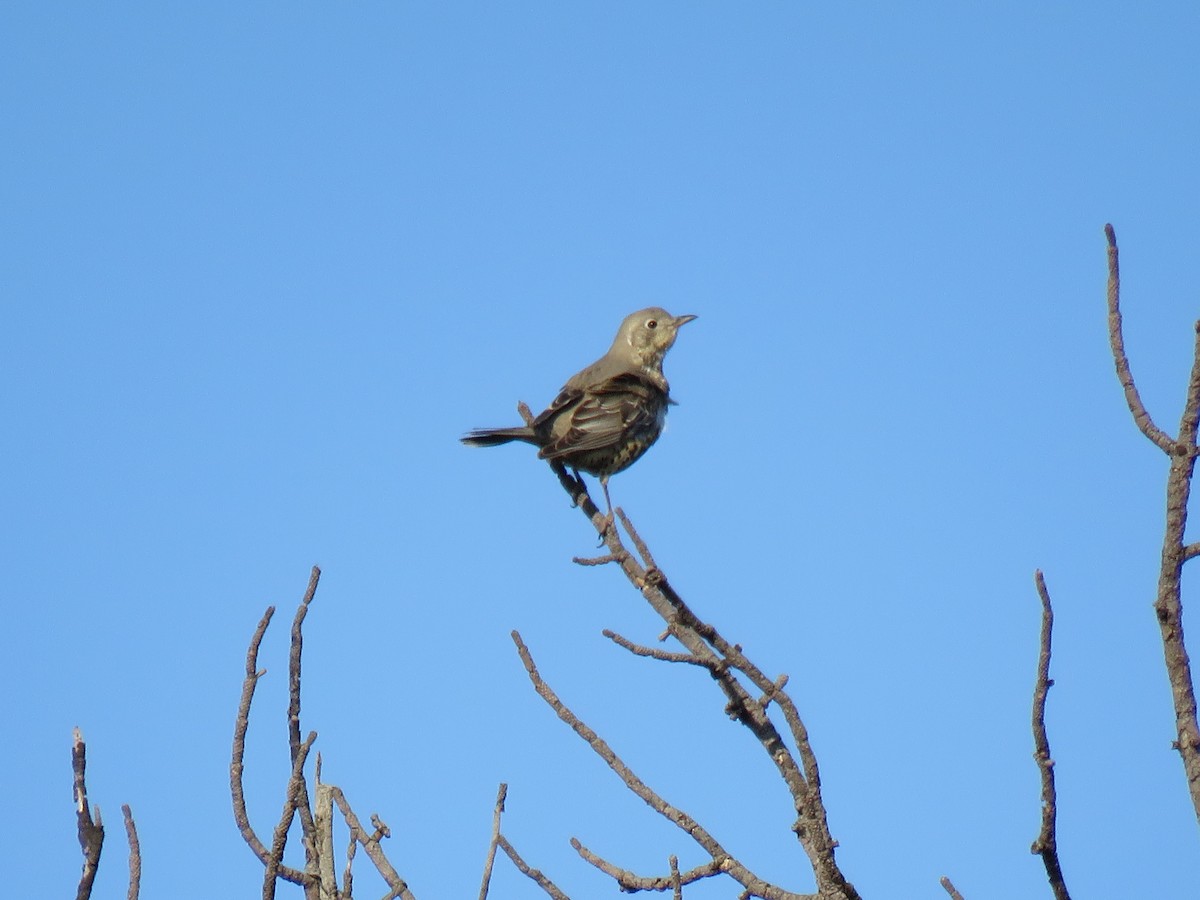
pixel 594 560
pixel 776 690
pixel 654 652
pixel 630 882
pixel 1116 341
pixel 90 827
pixel 536 875
pixel 638 543
pixel 303 804
pixel 1046 844
pixel 279 839
pixel 950 889
pixel 501 794
pixel 135 854
pixel 676 883
pixel 605 752
pixel 348 872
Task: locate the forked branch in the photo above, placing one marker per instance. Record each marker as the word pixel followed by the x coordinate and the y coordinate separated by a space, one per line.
pixel 728 666
pixel 499 841
pixel 722 861
pixel 1168 604
pixel 90 825
pixel 90 828
pixel 318 878
pixel 1116 340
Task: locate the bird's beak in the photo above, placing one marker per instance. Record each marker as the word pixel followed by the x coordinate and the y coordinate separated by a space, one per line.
pixel 683 320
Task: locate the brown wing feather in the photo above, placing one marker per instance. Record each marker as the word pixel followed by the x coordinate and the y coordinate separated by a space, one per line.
pixel 601 415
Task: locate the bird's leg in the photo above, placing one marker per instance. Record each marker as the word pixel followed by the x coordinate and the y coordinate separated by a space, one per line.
pixel 580 488
pixel 608 519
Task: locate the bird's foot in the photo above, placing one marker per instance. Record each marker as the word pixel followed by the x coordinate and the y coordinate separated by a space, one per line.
pixel 609 524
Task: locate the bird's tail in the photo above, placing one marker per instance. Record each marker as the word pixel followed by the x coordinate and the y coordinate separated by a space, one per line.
pixel 494 437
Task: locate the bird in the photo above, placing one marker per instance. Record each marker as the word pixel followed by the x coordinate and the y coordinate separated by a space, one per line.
pixel 609 414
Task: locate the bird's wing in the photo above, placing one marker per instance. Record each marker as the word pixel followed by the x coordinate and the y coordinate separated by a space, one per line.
pixel 589 379
pixel 566 398
pixel 601 414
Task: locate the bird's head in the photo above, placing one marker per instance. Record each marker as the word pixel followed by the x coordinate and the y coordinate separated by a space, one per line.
pixel 649 333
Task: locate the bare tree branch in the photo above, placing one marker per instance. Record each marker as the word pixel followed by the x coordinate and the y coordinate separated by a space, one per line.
pixel 370 843
pixel 1046 844
pixel 676 880
pixel 529 872
pixel 638 543
pixel 237 764
pixel 279 840
pixel 495 841
pixel 320 879
pixel 723 659
pixel 1168 604
pixel 736 870
pixel 91 828
pixel 652 652
pixel 500 841
pixel 629 881
pixel 594 560
pixel 303 807
pixel 950 889
pixel 1116 339
pixel 135 854
pixel 348 872
pixel 323 860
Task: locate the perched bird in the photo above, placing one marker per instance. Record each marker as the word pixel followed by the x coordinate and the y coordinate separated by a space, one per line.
pixel 608 415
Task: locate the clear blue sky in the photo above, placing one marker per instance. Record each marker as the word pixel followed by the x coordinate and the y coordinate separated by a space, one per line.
pixel 263 264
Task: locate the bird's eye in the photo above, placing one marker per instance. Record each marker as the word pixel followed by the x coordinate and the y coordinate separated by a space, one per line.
pixel 652 323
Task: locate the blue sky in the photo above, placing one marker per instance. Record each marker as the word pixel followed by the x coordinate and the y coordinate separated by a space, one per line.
pixel 264 264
